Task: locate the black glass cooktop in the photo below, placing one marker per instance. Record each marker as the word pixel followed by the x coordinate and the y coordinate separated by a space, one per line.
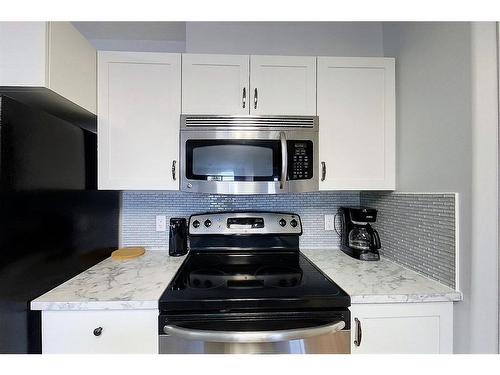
pixel 232 281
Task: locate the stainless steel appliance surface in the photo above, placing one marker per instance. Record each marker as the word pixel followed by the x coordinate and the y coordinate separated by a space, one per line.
pixel 249 154
pixel 245 287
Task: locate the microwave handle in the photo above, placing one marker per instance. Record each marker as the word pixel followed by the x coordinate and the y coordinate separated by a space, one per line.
pixel 284 159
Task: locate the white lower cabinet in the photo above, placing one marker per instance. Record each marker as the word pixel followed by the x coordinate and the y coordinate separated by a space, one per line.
pixel 402 328
pixel 103 331
pixel 392 328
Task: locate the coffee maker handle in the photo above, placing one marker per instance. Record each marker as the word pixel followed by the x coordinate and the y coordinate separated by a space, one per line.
pixel 376 239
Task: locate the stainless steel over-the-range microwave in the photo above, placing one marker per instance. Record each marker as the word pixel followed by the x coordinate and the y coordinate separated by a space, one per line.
pixel 249 154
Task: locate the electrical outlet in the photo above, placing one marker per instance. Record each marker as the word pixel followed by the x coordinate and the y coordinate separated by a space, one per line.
pixel 161 223
pixel 329 222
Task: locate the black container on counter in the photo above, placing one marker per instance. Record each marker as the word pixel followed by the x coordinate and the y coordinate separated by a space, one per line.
pixel 177 237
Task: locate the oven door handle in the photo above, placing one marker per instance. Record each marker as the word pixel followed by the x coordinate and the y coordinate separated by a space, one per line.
pixel 284 159
pixel 251 337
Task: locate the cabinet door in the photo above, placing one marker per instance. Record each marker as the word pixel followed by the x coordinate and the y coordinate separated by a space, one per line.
pixel 356 109
pixel 409 328
pixel 23 53
pixel 283 85
pixel 100 332
pixel 139 97
pixel 215 84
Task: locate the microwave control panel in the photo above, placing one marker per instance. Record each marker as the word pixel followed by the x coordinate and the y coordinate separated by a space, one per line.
pixel 300 160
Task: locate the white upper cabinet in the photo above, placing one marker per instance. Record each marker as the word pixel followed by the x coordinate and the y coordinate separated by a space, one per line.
pixel 139 97
pixel 283 85
pixel 215 84
pixel 228 85
pixel 49 55
pixel 356 109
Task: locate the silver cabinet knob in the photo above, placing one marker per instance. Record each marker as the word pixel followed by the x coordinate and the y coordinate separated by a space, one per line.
pixel 244 97
pixel 173 170
pixel 255 98
pixel 323 171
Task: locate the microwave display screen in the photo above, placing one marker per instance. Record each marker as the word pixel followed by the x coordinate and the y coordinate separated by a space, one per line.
pixel 242 160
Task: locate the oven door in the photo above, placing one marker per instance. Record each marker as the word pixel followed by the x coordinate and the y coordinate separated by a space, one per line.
pixel 259 336
pixel 244 162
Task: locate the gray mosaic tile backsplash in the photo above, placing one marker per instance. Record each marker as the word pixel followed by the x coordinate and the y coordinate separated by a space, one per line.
pixel 139 210
pixel 417 231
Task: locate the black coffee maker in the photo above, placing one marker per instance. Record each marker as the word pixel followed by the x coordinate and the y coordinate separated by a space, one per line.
pixel 357 237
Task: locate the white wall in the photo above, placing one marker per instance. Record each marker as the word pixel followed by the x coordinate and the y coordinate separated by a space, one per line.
pixel 484 263
pixel 444 143
pixel 287 38
pixel 135 36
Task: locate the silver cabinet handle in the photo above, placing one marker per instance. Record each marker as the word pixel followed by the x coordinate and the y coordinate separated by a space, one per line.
pixel 284 159
pixel 244 97
pixel 173 169
pixel 323 171
pixel 259 336
pixel 359 332
pixel 255 98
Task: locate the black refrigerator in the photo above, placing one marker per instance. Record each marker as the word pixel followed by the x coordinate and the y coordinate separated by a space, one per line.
pixel 54 223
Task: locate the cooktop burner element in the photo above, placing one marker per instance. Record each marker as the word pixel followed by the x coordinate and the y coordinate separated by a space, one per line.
pixel 279 276
pixel 266 276
pixel 236 265
pixel 243 276
pixel 210 278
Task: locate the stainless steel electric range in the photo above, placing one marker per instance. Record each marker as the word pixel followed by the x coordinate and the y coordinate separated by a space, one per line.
pixel 245 287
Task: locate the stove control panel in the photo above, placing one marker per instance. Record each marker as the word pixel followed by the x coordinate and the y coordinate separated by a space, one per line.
pixel 245 223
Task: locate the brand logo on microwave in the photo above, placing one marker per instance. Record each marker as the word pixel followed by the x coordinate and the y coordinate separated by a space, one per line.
pixel 369 216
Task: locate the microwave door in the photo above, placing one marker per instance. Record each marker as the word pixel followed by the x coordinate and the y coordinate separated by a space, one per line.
pixel 234 162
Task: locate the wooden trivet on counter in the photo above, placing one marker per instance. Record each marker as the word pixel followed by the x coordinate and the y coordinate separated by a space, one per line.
pixel 127 253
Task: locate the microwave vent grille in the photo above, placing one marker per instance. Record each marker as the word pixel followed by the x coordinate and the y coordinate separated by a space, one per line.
pixel 249 121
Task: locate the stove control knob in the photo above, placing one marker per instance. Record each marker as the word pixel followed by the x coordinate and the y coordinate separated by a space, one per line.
pixel 282 222
pixel 208 223
pixel 196 223
pixel 293 223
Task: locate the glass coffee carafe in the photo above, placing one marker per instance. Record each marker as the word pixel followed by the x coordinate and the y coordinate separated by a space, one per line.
pixel 364 238
pixel 360 239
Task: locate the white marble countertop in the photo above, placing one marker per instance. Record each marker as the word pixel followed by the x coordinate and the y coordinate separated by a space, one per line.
pixel 114 285
pixel 379 282
pixel 139 283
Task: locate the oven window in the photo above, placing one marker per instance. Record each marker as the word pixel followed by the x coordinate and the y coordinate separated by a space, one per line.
pixel 233 160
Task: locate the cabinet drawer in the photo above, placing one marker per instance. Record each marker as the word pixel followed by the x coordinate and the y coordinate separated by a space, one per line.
pixel 121 331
